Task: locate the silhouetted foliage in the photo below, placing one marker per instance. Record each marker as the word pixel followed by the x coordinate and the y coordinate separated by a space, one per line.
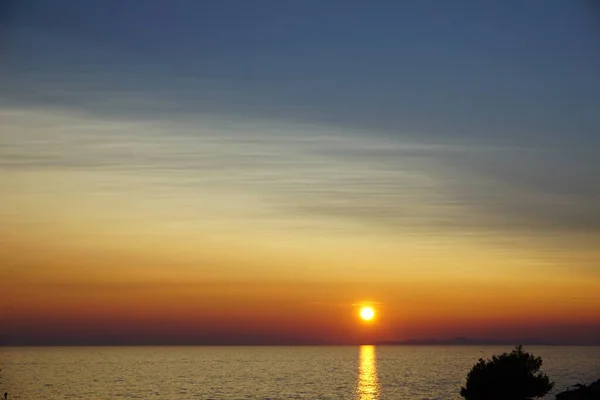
pixel 515 376
pixel 582 392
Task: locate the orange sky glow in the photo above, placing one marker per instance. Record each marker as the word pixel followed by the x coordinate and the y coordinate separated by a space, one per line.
pixel 142 252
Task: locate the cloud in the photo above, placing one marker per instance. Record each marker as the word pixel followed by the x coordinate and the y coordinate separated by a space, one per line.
pixel 410 187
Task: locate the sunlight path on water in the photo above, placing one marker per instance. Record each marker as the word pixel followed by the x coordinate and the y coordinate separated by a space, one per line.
pixel 368 384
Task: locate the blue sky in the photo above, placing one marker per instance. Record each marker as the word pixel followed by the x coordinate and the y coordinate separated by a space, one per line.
pixel 493 71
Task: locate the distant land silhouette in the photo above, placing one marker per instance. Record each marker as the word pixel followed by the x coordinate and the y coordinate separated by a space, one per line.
pixel 463 341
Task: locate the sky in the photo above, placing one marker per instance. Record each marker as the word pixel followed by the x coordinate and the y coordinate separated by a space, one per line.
pixel 226 172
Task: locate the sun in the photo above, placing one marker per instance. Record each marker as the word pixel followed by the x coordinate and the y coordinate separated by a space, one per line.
pixel 367 313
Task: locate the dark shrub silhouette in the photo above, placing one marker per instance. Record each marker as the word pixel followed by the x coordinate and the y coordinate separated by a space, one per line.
pixel 581 392
pixel 513 376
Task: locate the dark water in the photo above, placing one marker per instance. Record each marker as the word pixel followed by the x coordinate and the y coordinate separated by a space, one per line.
pixel 362 373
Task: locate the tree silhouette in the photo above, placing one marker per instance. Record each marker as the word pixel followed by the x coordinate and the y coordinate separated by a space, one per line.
pixel 581 392
pixel 515 375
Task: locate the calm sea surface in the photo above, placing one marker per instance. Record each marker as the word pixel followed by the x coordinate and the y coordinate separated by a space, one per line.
pixel 362 373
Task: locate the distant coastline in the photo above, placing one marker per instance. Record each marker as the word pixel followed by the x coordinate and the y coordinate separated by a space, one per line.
pixel 463 341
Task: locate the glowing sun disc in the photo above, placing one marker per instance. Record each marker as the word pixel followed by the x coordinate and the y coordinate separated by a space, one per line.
pixel 367 313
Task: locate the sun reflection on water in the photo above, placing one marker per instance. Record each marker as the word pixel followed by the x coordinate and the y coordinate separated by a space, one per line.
pixel 367 385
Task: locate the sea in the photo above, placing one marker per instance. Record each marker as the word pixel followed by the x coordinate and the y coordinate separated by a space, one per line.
pixel 320 372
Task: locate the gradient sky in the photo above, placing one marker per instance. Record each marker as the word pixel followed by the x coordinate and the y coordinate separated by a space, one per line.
pixel 248 172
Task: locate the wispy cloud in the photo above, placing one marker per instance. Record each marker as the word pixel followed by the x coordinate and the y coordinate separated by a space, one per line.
pixel 295 172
